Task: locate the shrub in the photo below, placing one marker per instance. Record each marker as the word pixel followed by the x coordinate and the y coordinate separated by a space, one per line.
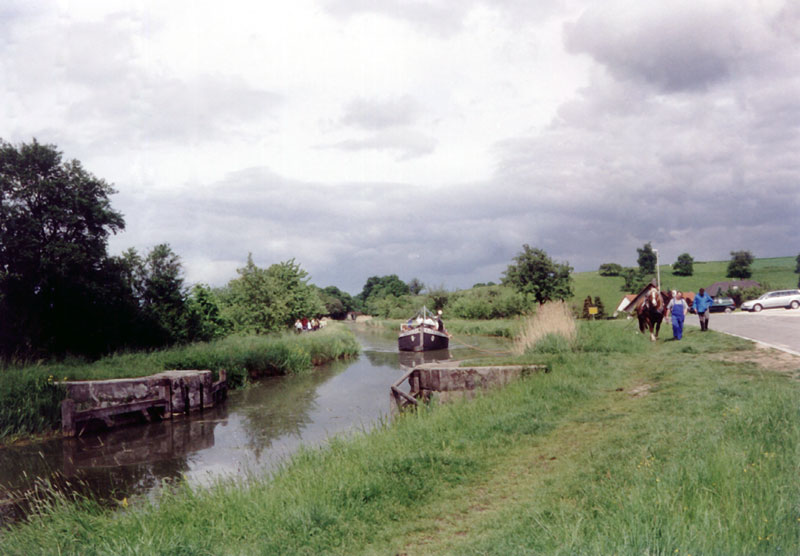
pixel 610 269
pixel 489 302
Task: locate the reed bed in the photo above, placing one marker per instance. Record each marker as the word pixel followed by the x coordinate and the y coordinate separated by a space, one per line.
pixel 553 322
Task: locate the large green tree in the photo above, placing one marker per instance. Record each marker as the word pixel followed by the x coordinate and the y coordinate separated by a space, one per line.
pixel 164 297
pixel 647 259
pixel 377 287
pixel 56 279
pixel 337 302
pixel 739 267
pixel 268 300
pixel 535 273
pixel 634 279
pixel 415 286
pixel 684 266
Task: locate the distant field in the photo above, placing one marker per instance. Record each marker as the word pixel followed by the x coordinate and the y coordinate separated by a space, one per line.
pixel 776 272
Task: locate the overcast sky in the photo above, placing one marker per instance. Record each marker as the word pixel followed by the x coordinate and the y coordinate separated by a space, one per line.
pixel 428 139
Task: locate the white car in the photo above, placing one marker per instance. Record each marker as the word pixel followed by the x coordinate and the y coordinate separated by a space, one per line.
pixel 789 299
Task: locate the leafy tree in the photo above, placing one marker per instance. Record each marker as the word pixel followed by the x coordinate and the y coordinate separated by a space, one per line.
pixel 204 306
pixel 383 286
pixel 601 309
pixel 797 270
pixel 489 302
pixel 415 286
pixel 337 302
pixel 299 297
pixel 133 273
pixel 610 269
pixel 634 278
pixel 647 259
pixel 684 266
pixel 587 303
pixel 58 287
pixel 392 306
pixel 163 293
pixel 739 267
pixel 268 300
pixel 437 297
pixel 535 273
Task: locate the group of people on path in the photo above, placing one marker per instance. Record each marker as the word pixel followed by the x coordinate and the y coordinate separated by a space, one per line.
pixel 305 324
pixel 678 307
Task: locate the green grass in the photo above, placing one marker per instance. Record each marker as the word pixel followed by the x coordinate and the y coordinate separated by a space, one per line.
pixel 777 273
pixel 624 447
pixel 30 396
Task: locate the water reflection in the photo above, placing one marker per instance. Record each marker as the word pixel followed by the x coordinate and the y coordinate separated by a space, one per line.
pixel 411 359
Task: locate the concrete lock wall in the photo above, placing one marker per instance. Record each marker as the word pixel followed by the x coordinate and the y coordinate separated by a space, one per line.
pixel 117 400
pixel 106 393
pixel 189 390
pixel 455 382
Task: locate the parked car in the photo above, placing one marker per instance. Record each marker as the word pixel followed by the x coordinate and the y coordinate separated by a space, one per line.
pixel 790 299
pixel 723 305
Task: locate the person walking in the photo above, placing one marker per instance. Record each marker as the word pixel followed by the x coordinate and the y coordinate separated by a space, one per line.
pixel 702 304
pixel 676 309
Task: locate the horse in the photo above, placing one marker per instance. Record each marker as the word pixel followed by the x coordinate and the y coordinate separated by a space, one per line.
pixel 651 312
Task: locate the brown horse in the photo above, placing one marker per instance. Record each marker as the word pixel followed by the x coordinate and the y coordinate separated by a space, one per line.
pixel 651 312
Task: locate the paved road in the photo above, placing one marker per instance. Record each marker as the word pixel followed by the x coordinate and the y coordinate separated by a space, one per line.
pixel 779 328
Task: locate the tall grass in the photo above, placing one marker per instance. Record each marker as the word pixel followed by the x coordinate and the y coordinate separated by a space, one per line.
pixel 30 396
pixel 552 321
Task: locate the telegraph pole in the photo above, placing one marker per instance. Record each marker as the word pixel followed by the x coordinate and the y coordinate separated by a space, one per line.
pixel 658 271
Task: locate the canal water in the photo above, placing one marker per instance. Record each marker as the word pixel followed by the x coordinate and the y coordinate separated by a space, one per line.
pixel 253 431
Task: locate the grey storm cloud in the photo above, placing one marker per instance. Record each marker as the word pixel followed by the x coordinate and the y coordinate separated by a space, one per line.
pixel 686 48
pixel 376 228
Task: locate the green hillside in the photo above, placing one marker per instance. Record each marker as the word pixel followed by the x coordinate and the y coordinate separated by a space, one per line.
pixel 776 272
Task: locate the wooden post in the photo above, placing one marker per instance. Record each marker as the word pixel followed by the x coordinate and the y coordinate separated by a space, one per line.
pixel 68 417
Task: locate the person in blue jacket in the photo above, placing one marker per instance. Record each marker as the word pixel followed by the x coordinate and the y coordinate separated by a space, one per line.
pixel 702 304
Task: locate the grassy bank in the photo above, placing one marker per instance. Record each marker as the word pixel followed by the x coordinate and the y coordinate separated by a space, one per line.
pixel 30 396
pixel 624 447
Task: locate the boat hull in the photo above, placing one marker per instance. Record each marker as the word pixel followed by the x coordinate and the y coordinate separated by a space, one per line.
pixel 422 339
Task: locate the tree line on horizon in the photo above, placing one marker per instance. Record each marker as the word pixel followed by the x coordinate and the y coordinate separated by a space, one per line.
pixel 635 278
pixel 61 293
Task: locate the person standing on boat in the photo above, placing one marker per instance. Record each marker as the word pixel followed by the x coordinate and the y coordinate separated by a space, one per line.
pixel 439 322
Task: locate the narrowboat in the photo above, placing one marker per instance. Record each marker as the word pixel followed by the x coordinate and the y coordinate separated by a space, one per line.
pixel 423 332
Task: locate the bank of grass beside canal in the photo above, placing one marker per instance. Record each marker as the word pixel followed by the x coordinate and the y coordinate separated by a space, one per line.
pixel 30 396
pixel 624 447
